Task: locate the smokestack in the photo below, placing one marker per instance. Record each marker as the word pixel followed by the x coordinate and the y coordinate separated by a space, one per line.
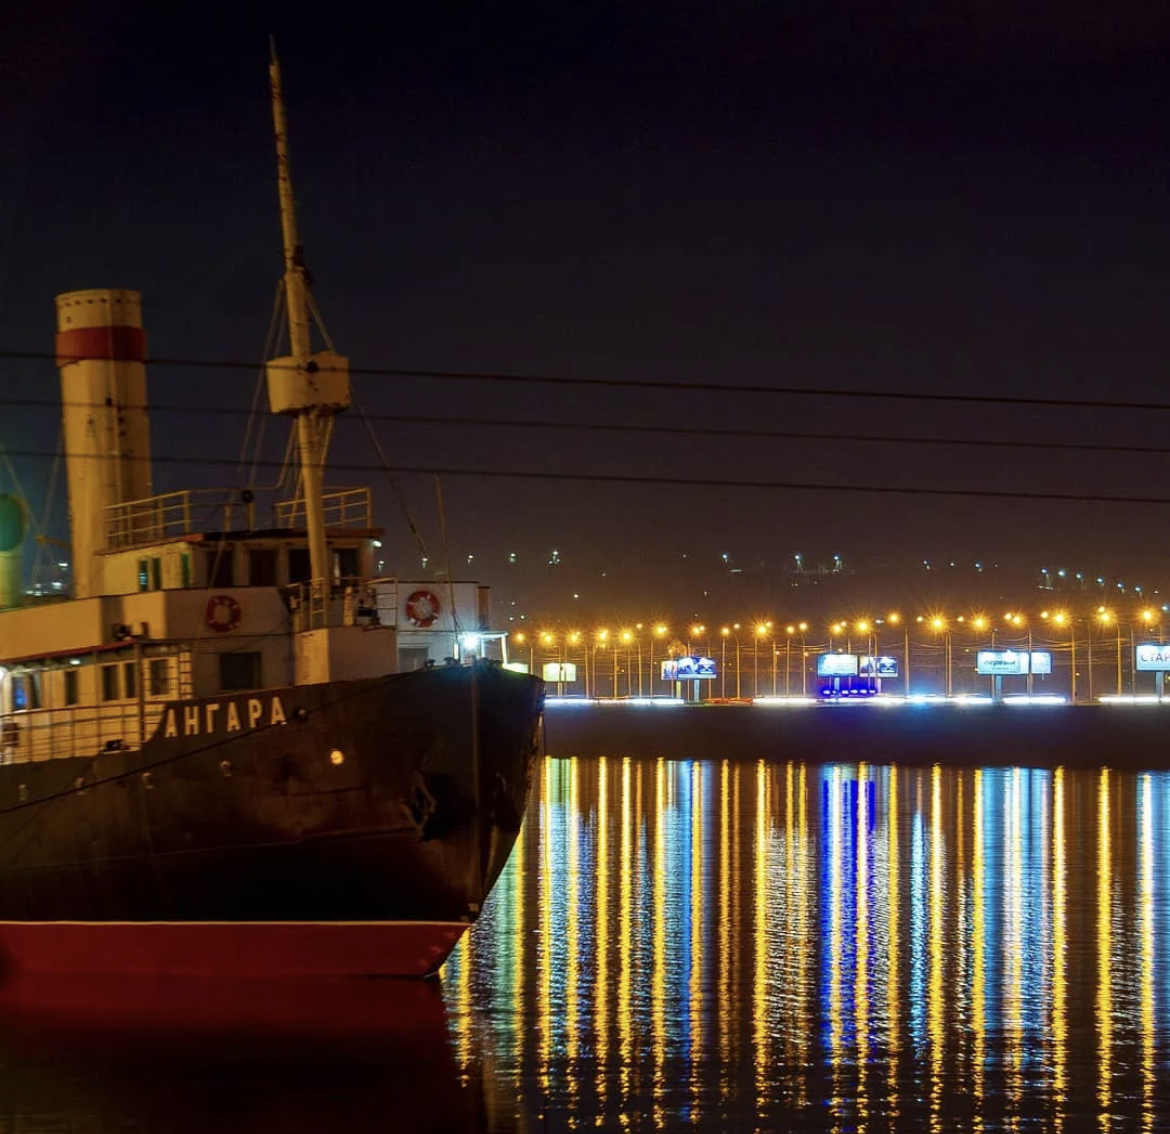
pixel 13 528
pixel 101 351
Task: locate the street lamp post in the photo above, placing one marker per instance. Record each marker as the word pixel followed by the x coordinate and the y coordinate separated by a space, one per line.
pixel 660 631
pixel 761 630
pixel 803 628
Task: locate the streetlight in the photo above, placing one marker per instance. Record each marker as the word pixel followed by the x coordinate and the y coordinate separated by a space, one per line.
pixel 788 631
pixel 939 625
pixel 519 637
pixel 600 641
pixel 629 638
pixel 761 630
pixel 660 631
pixel 894 618
pixel 697 631
pixel 1148 617
pixel 803 628
pixel 546 640
pixel 1061 619
pixel 573 638
pixel 1107 617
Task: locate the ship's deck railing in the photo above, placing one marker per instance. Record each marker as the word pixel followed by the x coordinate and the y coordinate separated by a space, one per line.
pixel 342 508
pixel 350 602
pixel 42 734
pixel 175 514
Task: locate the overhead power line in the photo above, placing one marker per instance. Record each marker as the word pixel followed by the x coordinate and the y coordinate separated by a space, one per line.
pixel 655 384
pixel 672 481
pixel 658 430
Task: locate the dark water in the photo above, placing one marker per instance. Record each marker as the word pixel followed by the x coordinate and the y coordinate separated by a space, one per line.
pixel 700 946
pixel 724 945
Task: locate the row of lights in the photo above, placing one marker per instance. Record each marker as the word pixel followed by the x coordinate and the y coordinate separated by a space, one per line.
pixel 764 629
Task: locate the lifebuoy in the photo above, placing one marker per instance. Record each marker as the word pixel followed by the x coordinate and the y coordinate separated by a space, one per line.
pixel 422 608
pixel 223 613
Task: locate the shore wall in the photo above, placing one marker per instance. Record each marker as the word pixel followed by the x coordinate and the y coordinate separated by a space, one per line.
pixel 1130 736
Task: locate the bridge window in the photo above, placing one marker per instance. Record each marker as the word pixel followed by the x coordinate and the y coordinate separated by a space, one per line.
pixel 239 670
pixel 300 569
pixel 130 679
pixel 143 575
pixel 262 567
pixel 156 573
pixel 219 566
pixel 345 564
pixel 72 696
pixel 109 682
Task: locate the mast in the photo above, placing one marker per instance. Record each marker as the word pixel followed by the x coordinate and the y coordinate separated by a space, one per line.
pixel 310 387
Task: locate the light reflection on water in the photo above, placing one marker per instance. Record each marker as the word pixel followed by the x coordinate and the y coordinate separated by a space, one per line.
pixel 735 945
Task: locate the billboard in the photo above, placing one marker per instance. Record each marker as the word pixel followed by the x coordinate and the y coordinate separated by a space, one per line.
pixel 559 671
pixel 836 665
pixel 877 667
pixel 1151 657
pixel 1005 663
pixel 689 667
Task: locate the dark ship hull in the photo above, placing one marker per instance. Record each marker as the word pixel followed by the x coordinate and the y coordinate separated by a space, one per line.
pixel 354 827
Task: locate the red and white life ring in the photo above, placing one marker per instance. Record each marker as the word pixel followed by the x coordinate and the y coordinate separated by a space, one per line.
pixel 223 613
pixel 422 608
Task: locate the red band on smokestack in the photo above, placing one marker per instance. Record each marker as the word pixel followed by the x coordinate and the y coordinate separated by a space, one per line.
pixel 120 344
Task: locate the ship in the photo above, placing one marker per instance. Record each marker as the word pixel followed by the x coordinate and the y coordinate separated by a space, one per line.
pixel 236 748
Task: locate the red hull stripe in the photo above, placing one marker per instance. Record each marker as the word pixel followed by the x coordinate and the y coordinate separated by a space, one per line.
pixel 237 949
pixel 126 344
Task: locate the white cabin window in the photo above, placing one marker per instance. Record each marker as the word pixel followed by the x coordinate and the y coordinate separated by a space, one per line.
pixel 26 691
pixel 160 677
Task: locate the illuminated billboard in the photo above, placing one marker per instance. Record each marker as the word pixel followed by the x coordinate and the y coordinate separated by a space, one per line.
pixel 1006 663
pixel 560 671
pixel 689 667
pixel 877 667
pixel 1151 657
pixel 836 665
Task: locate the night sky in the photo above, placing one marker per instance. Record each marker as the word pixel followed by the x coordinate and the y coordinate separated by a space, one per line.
pixel 881 196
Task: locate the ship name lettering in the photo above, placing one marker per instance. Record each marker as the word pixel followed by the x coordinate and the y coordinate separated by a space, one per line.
pixel 208 718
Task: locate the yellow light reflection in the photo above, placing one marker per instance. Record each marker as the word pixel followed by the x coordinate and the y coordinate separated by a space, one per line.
pixel 979 946
pixel 893 943
pixel 804 943
pixel 544 901
pixel 760 982
pixel 1059 953
pixel 935 1009
pixel 625 939
pixel 572 828
pixel 1104 956
pixel 724 962
pixel 695 983
pixel 601 992
pixel 861 956
pixel 1146 934
pixel 1013 944
pixel 658 978
pixel 836 1023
